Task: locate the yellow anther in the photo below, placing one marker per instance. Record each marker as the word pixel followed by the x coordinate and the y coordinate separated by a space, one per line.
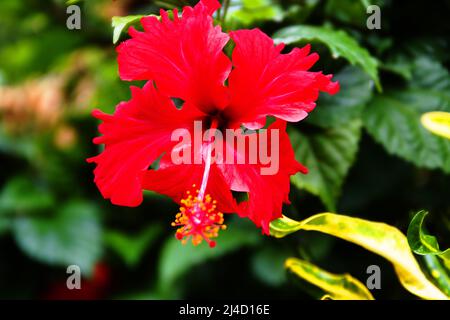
pixel 198 220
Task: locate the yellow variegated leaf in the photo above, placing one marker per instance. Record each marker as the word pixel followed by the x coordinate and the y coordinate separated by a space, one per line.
pixel 337 286
pixel 437 122
pixel 379 238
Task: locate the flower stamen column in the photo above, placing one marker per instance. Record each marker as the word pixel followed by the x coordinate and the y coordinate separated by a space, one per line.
pixel 198 218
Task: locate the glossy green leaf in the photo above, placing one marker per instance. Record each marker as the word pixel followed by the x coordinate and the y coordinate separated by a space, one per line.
pixel 337 286
pixel 420 59
pixel 73 236
pixel 380 238
pixel 438 272
pixel 131 247
pixel 328 154
pixel 423 243
pixel 339 109
pixel 393 120
pixel 120 23
pixel 430 74
pixel 340 43
pixel 351 12
pixel 399 64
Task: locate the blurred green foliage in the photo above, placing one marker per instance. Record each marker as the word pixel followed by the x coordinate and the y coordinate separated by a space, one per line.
pixel 367 152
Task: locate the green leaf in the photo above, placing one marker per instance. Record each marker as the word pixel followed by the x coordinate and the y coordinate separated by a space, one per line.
pixel 437 122
pixel 328 154
pixel 393 120
pixel 31 55
pixel 120 23
pixel 348 104
pixel 438 273
pixel 420 59
pixel 139 295
pixel 131 248
pixel 423 243
pixel 177 258
pixel 339 42
pixel 21 195
pixel 71 237
pixel 338 287
pixel 250 12
pixel 398 64
pixel 267 265
pixel 380 238
pixel 430 74
pixel 350 11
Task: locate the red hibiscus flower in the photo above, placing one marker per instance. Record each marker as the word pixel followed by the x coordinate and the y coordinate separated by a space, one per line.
pixel 183 58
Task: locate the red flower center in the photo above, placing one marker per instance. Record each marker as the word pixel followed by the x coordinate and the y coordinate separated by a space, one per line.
pixel 198 218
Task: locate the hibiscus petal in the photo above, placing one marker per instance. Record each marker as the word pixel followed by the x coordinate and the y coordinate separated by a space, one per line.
pixel 175 180
pixel 183 56
pixel 211 5
pixel 134 136
pixel 266 193
pixel 266 82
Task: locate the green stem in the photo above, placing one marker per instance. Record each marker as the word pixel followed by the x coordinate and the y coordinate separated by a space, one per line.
pixel 225 5
pixel 219 13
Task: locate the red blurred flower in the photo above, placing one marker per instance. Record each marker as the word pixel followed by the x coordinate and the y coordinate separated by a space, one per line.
pixel 94 288
pixel 183 58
